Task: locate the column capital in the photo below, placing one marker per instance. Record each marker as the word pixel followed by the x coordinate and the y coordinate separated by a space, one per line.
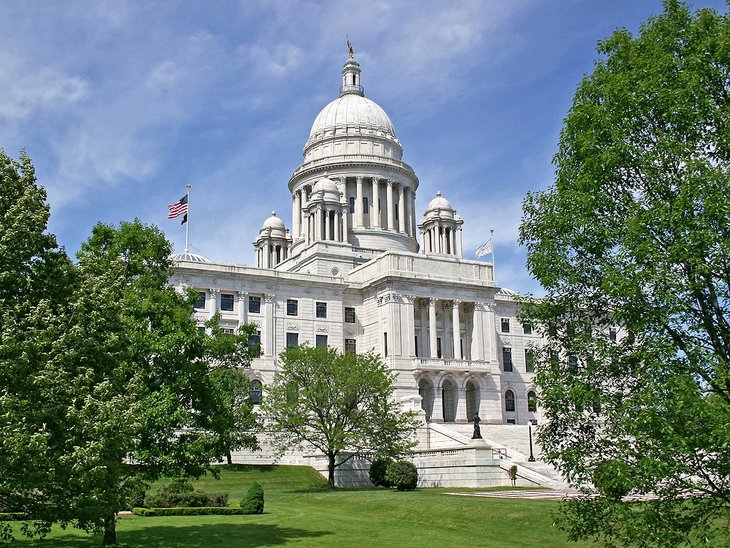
pixel 408 299
pixel 455 303
pixel 432 301
pixel 214 291
pixel 390 182
pixel 242 294
pixel 376 179
pixel 359 178
pixel 269 297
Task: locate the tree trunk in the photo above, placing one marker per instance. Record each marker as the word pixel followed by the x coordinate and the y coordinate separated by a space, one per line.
pixel 331 471
pixel 229 458
pixel 110 530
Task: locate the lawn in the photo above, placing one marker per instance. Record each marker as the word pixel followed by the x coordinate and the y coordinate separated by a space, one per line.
pixel 301 511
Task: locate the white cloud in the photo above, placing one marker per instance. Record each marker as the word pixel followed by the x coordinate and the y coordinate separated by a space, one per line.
pixel 26 91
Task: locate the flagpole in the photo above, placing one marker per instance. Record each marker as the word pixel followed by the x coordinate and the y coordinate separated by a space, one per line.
pixel 491 238
pixel 187 224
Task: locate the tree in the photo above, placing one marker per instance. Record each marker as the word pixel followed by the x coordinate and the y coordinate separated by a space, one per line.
pixel 635 236
pixel 106 380
pixel 341 404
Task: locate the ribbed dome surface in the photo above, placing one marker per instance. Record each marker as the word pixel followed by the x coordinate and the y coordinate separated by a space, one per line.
pixel 439 202
pixel 352 110
pixel 273 222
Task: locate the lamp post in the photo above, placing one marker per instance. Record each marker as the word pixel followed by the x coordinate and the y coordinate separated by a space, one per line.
pixel 532 457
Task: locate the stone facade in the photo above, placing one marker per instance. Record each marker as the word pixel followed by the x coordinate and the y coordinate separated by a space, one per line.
pixel 352 274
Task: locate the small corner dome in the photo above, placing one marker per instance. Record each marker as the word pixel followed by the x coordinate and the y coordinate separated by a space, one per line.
pixel 328 187
pixel 439 202
pixel 186 256
pixel 274 222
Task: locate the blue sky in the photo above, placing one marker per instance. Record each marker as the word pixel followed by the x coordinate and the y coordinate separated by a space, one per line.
pixel 119 104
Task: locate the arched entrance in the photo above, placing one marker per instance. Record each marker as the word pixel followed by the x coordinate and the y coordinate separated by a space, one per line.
pixel 448 397
pixel 472 400
pixel 425 390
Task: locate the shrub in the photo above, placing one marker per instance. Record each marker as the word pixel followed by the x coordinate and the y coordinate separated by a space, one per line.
pixel 512 473
pixel 402 475
pixel 378 471
pixel 253 501
pixel 189 511
pixel 134 494
pixel 181 494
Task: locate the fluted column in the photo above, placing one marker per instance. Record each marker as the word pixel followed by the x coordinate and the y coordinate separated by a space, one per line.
pixel 401 209
pixel 242 307
pixel 214 293
pixel 409 212
pixel 327 224
pixel 423 243
pixel 267 255
pixel 432 327
pixel 296 213
pixel 459 249
pixel 338 226
pixel 269 324
pixel 456 328
pixel 345 216
pixel 412 201
pixel 452 235
pixel 446 338
pixel 423 342
pixel 358 203
pixel 375 206
pixel 307 232
pixel 390 204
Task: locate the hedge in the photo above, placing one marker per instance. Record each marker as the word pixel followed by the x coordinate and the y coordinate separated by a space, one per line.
pixel 189 511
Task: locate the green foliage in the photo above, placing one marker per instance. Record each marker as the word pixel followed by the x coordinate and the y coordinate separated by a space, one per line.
pixel 635 235
pixel 190 511
pixel 378 470
pixel 101 363
pixel 180 493
pixel 338 403
pixel 402 474
pixel 253 501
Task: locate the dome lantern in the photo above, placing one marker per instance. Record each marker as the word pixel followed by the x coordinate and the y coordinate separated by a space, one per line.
pixel 351 75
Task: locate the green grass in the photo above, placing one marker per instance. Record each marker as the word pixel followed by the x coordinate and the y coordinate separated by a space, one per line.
pixel 301 511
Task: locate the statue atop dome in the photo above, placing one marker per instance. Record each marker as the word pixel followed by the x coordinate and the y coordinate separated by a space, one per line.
pixel 350 51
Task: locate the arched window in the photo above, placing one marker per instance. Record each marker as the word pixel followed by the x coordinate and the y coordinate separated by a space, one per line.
pixel 532 401
pixel 425 390
pixel 255 392
pixel 509 400
pixel 472 401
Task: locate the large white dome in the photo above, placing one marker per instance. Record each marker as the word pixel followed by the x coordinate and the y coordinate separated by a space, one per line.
pixel 353 110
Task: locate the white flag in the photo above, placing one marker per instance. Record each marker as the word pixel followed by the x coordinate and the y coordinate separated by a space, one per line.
pixel 485 248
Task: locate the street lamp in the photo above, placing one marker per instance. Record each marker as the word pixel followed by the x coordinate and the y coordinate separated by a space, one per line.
pixel 532 457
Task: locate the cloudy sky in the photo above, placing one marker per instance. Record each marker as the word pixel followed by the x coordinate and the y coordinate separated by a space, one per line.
pixel 120 103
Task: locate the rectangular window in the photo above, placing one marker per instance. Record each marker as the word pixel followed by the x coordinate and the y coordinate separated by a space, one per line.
pixel 527 328
pixel 507 359
pixel 200 302
pixel 396 210
pixel 227 331
pixel 365 207
pixel 350 346
pixel 612 335
pixel 530 361
pixel 292 307
pixel 416 346
pixel 438 347
pixel 385 344
pixel 201 328
pixel 511 421
pixel 254 305
pixel 349 314
pixel 505 325
pixel 321 310
pixel 255 340
pixel 352 204
pixel 292 340
pixel 321 341
pixel 227 302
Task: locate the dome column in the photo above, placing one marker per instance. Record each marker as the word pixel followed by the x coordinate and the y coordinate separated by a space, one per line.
pixel 390 204
pixel 401 209
pixel 358 203
pixel 432 328
pixel 412 204
pixel 296 213
pixel 327 224
pixel 375 206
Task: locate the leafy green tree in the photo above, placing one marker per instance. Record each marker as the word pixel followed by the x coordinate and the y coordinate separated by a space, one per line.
pixel 106 382
pixel 341 404
pixel 635 235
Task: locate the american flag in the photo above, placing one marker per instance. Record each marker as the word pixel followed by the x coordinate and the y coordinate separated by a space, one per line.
pixel 178 208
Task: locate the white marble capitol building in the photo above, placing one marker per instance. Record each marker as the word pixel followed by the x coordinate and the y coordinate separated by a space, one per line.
pixel 360 268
